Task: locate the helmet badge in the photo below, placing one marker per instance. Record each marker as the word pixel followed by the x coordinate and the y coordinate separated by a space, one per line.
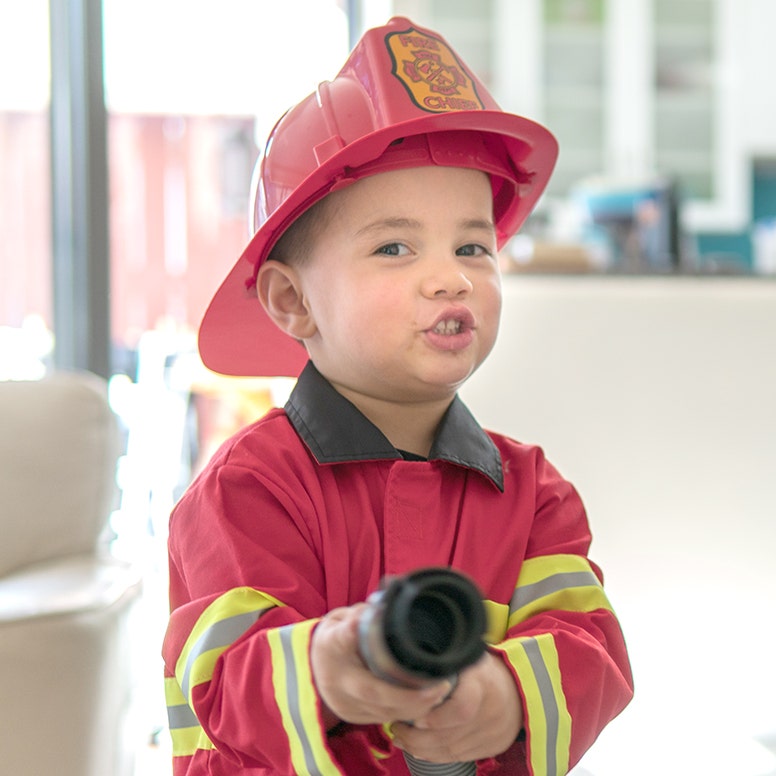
pixel 434 78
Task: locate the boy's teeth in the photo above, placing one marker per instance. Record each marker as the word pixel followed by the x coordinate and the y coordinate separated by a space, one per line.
pixel 448 327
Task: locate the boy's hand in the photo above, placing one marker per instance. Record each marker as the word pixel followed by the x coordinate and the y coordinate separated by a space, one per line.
pixel 481 719
pixel 348 689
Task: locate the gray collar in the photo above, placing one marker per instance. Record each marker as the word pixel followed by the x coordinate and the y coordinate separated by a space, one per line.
pixel 336 431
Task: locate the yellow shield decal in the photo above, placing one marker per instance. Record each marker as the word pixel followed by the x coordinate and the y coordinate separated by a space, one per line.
pixel 434 78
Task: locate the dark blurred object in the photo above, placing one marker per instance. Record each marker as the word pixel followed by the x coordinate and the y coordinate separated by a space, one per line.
pixel 635 224
pixel 423 627
pixel 419 629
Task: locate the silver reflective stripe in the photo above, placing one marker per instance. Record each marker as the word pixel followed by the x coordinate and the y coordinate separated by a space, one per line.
pixel 527 594
pixel 219 635
pixel 181 717
pixel 424 768
pixel 551 712
pixel 292 688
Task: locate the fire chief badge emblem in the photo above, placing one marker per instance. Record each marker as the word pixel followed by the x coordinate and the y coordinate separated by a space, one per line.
pixel 434 78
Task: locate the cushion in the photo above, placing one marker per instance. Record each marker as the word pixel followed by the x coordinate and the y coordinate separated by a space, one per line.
pixel 58 450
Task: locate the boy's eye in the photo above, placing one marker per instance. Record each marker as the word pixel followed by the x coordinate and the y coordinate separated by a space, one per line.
pixel 393 249
pixel 472 249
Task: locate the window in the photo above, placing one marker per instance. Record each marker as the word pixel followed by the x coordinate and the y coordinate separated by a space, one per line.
pixel 25 183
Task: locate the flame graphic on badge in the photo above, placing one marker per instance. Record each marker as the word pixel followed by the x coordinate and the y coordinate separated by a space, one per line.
pixel 434 78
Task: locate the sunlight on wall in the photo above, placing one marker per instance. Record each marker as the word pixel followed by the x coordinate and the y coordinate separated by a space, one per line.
pixel 234 57
pixel 24 55
pixel 24 52
pixel 194 57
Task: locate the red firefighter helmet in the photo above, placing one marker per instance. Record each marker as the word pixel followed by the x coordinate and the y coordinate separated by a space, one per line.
pixel 402 99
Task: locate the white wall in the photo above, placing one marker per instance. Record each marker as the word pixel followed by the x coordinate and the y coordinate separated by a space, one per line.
pixel 657 398
pixel 756 76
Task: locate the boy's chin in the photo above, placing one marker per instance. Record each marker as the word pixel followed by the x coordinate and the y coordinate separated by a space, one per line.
pixel 441 386
pixel 422 382
pixel 453 374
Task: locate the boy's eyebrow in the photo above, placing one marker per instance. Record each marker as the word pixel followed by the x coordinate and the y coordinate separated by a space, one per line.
pixel 392 223
pixel 479 223
pixel 389 223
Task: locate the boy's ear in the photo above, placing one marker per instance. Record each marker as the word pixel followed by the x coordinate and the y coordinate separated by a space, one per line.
pixel 280 293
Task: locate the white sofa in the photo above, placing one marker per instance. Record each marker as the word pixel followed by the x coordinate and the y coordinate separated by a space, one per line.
pixel 65 603
pixel 657 398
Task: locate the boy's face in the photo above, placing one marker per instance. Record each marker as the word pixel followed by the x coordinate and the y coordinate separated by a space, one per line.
pixel 403 283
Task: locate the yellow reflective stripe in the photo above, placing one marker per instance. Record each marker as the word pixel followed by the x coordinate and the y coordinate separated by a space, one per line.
pixel 172 691
pixel 218 627
pixel 497 618
pixel 562 582
pixel 185 731
pixel 293 684
pixel 547 722
pixel 186 741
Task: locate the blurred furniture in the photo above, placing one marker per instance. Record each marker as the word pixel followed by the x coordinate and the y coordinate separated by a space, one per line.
pixel 64 602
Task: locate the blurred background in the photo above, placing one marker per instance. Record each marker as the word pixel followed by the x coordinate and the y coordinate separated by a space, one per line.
pixel 640 297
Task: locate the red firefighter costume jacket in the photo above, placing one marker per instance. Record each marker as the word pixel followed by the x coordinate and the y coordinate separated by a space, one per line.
pixel 306 510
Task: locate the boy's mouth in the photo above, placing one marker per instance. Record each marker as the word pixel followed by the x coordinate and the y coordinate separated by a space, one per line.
pixel 453 330
pixel 452 322
pixel 447 327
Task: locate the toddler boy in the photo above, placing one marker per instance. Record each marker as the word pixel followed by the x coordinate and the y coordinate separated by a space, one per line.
pixel 382 201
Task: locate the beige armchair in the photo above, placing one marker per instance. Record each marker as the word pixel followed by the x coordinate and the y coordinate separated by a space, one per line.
pixel 65 681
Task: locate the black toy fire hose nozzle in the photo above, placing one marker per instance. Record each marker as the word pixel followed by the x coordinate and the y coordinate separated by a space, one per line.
pixel 421 628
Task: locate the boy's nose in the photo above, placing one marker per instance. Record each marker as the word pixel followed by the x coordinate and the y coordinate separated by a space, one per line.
pixel 447 279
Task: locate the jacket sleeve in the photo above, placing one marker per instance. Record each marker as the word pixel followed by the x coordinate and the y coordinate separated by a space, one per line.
pixel 236 652
pixel 562 640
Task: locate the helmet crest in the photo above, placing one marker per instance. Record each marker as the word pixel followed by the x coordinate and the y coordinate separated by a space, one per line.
pixel 430 71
